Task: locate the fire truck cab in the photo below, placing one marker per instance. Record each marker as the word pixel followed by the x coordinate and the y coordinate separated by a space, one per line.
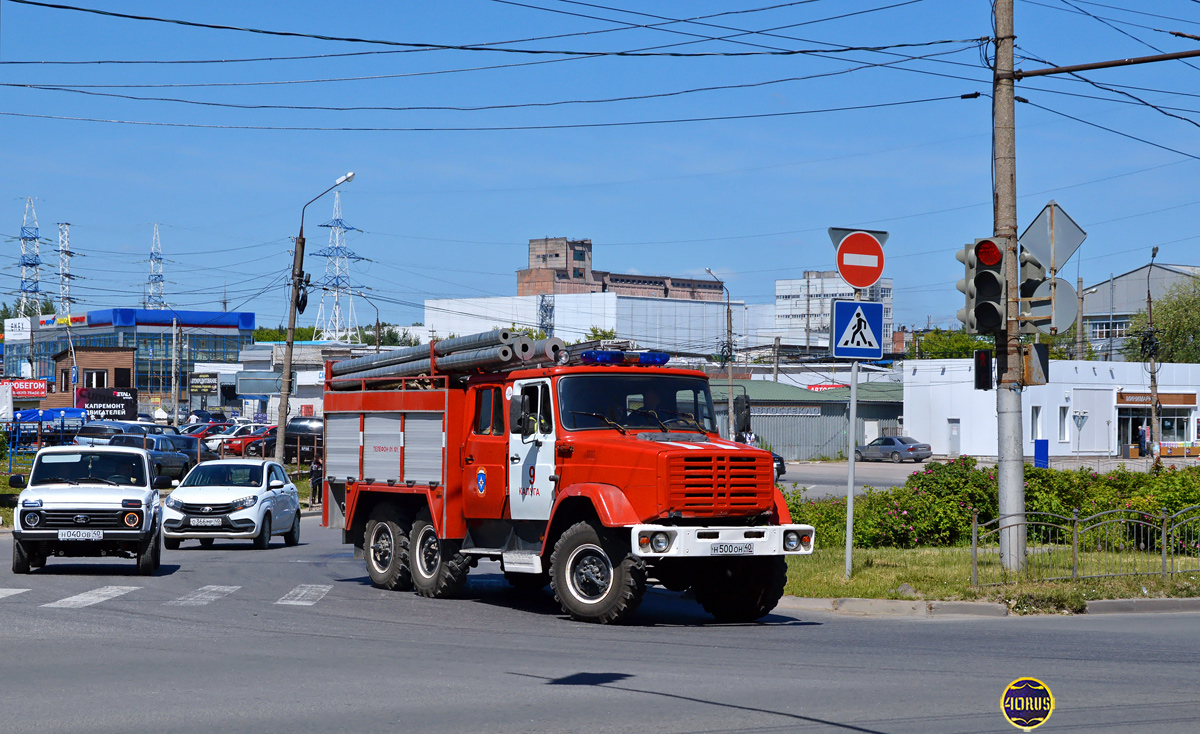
pixel 595 477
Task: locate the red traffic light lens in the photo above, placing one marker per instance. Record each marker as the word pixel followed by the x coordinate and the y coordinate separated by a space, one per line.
pixel 988 253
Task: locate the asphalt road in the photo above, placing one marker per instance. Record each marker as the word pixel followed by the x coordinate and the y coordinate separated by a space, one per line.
pixel 174 653
pixel 826 478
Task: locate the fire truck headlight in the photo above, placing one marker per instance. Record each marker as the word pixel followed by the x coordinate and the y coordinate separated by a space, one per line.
pixel 659 542
pixel 791 540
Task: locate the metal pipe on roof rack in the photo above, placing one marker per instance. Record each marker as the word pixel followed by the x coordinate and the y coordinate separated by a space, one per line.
pixel 546 350
pixel 482 340
pixel 461 361
pixel 522 348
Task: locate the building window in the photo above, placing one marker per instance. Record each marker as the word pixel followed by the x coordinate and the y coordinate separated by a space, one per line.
pixel 95 378
pixel 121 377
pixel 577 273
pixel 1063 421
pixel 580 256
pixel 66 381
pixel 1035 422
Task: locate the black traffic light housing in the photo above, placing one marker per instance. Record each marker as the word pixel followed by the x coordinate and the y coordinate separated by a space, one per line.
pixel 1032 275
pixel 983 369
pixel 985 287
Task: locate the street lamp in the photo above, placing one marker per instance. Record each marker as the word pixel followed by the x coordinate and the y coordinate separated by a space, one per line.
pixel 368 300
pixel 285 387
pixel 729 341
pixel 1151 344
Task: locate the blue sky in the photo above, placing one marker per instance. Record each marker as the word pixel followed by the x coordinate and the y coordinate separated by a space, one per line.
pixel 448 213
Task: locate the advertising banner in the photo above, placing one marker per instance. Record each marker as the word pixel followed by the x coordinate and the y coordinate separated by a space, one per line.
pixel 203 383
pixel 113 404
pixel 27 389
pixel 16 330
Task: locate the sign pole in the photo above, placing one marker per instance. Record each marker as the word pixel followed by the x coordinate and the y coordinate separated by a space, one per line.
pixel 853 446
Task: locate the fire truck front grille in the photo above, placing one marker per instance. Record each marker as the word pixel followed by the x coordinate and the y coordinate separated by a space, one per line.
pixel 719 485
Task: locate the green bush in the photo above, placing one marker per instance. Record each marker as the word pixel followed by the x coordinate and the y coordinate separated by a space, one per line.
pixel 936 504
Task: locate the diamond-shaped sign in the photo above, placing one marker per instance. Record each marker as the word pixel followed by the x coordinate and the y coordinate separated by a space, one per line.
pixel 1053 237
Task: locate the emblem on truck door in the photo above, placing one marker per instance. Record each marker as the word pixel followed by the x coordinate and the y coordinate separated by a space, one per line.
pixel 481 480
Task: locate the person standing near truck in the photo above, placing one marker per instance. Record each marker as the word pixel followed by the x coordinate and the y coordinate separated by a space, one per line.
pixel 314 479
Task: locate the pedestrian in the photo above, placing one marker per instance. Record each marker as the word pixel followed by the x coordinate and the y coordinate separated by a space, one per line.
pixel 315 479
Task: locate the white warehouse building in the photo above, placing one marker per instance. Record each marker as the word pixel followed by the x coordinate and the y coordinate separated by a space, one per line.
pixel 678 325
pixel 942 407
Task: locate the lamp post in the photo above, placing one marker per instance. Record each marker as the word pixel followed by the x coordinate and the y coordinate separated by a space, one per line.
pixel 368 300
pixel 729 341
pixel 1152 343
pixel 285 387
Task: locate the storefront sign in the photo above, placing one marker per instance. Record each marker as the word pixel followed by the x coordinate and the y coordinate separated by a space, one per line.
pixel 203 383
pixel 27 389
pixel 107 403
pixel 1164 398
pixel 16 330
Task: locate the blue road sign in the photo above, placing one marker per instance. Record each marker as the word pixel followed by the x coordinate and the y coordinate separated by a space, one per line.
pixel 857 330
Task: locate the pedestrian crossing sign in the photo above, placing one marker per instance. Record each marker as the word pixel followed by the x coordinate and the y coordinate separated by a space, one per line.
pixel 857 330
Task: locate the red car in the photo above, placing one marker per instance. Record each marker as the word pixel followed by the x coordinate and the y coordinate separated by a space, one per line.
pixel 202 431
pixel 236 446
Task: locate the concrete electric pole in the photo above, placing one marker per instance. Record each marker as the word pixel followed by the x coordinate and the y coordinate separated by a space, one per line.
pixel 1010 441
pixel 1152 339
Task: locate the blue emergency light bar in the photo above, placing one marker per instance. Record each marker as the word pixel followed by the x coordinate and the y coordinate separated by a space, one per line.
pixel 607 356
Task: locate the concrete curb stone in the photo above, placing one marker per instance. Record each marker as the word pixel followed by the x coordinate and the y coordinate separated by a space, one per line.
pixel 894 607
pixel 1136 606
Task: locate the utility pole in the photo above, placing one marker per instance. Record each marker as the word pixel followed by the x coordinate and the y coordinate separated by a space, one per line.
pixel 1155 431
pixel 775 370
pixel 807 316
pixel 1079 319
pixel 1010 441
pixel 175 371
pixel 729 342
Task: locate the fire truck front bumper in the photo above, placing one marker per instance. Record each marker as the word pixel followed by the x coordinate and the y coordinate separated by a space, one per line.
pixel 673 541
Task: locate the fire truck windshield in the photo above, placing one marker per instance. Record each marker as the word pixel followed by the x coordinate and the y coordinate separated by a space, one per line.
pixel 635 402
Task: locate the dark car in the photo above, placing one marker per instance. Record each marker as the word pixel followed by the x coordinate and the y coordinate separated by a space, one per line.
pixel 165 456
pixel 896 448
pixel 780 466
pixel 308 432
pixel 188 445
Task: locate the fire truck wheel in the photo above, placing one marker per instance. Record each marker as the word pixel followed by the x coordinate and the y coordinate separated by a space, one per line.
pixel 742 589
pixel 438 571
pixel 586 582
pixel 528 582
pixel 386 548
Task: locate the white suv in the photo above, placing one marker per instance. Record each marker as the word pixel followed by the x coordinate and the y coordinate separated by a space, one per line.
pixel 233 498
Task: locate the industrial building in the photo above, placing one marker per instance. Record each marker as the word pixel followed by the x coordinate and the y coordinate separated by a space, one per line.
pixel 804 306
pixel 31 344
pixel 1109 304
pixel 1110 401
pixel 559 265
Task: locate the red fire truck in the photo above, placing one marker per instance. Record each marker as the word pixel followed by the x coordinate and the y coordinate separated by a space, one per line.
pixel 596 474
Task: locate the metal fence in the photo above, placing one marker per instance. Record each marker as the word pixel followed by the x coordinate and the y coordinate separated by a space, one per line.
pixel 801 433
pixel 1110 543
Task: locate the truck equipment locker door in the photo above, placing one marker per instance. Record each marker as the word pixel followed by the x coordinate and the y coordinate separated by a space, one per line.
pixel 531 460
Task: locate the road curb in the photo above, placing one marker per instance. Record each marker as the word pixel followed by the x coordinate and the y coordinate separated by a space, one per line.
pixel 894 607
pixel 1141 606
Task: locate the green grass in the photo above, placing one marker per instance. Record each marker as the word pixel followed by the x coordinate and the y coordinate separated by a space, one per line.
pixel 945 574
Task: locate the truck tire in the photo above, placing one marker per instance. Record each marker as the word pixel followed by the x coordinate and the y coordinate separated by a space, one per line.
pixel 292 536
pixel 527 582
pixel 171 543
pixel 149 556
pixel 438 570
pixel 742 589
pixel 587 583
pixel 263 539
pixel 20 562
pixel 385 547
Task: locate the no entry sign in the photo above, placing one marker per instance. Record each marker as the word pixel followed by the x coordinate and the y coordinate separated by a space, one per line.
pixel 860 259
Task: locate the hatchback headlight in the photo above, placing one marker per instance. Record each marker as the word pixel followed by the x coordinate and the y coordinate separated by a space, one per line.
pixel 173 503
pixel 31 519
pixel 244 502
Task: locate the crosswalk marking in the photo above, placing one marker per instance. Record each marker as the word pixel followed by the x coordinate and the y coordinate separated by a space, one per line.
pixel 88 598
pixel 11 592
pixel 202 596
pixel 305 595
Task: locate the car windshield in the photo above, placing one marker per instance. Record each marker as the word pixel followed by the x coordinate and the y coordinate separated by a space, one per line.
pixel 188 430
pixel 140 441
pixel 225 475
pixel 635 401
pixel 79 467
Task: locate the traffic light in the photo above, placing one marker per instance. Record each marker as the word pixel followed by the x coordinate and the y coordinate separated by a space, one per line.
pixel 983 369
pixel 1033 274
pixel 984 286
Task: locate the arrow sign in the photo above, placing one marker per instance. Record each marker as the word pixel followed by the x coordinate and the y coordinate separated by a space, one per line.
pixel 857 330
pixel 860 259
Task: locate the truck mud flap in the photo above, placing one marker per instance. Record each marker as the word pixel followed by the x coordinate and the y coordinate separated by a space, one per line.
pixel 337 504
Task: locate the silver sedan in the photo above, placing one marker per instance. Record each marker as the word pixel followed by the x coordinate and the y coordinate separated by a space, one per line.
pixel 896 448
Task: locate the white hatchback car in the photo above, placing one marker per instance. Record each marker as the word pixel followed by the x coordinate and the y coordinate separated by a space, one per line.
pixel 233 498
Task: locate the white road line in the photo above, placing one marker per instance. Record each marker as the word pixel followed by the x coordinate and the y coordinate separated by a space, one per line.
pixel 202 596
pixel 88 598
pixel 305 595
pixel 11 592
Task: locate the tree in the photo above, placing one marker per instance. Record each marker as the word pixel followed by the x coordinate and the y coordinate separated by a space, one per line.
pixel 1062 346
pixel 1176 326
pixel 947 344
pixel 596 334
pixel 529 331
pixel 264 334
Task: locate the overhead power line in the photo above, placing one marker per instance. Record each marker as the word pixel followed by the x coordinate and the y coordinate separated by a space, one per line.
pixel 1109 129
pixel 414 45
pixel 568 126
